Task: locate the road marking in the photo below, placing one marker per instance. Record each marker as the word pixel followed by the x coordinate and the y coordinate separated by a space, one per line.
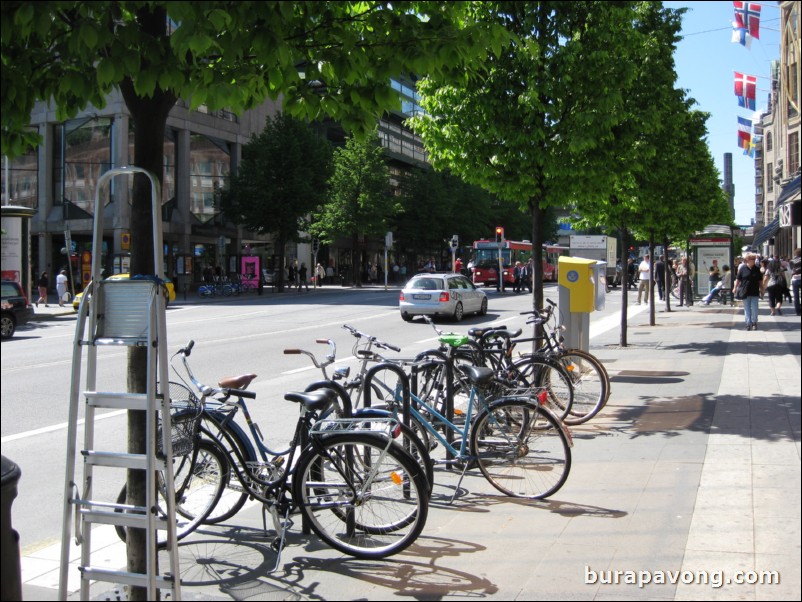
pixel 56 427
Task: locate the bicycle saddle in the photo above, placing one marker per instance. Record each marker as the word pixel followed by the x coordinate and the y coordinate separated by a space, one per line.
pixel 478 375
pixel 236 382
pixel 314 400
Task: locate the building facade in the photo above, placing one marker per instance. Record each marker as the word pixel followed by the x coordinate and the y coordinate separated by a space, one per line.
pixel 777 154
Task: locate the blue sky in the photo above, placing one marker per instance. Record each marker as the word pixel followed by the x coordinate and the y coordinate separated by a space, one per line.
pixel 706 60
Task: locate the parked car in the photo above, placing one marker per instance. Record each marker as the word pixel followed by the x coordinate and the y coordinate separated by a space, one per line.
pixel 15 308
pixel 169 294
pixel 450 295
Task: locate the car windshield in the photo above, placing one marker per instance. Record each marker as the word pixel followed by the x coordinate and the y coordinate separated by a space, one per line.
pixel 427 284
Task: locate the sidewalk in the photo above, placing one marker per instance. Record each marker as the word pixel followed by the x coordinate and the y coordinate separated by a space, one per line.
pixel 689 479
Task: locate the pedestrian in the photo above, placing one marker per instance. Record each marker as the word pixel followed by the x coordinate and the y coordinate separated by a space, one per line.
pixel 660 276
pixel 61 287
pixel 320 274
pixel 682 276
pixel 720 287
pixel 302 271
pixel 796 278
pixel 516 275
pixel 773 285
pixel 750 277
pixel 632 273
pixel 644 269
pixel 713 275
pixel 330 274
pixel 43 284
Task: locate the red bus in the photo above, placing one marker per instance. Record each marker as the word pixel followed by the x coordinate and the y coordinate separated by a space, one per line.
pixel 485 260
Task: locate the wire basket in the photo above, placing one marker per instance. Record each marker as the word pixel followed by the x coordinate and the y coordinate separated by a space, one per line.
pixel 185 417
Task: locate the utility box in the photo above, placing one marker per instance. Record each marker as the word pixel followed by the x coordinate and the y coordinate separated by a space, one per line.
pixel 579 277
pixel 582 285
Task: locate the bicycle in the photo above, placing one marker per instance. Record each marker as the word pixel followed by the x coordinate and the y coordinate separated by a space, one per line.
pixel 362 494
pixel 198 467
pixel 411 437
pixel 491 347
pixel 589 379
pixel 212 289
pixel 519 445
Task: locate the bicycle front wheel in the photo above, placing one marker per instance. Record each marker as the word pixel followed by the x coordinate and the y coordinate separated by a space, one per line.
pixel 199 482
pixel 361 496
pixel 591 385
pixel 521 449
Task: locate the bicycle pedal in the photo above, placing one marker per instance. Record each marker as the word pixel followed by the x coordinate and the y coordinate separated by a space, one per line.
pixel 275 545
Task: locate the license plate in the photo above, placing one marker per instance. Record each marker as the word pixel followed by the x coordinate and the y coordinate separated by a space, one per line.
pixel 422 297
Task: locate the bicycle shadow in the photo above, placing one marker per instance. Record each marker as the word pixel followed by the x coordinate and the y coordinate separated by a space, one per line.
pixel 238 561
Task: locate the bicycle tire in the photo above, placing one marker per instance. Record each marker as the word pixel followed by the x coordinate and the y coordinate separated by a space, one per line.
pixel 591 385
pixel 237 448
pixel 413 437
pixel 202 480
pixel 540 371
pixel 517 454
pixel 376 522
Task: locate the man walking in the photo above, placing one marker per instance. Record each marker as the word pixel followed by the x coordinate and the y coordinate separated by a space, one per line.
pixel 660 276
pixel 643 279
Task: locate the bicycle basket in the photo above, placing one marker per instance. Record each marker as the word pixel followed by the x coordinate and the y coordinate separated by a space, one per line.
pixel 185 417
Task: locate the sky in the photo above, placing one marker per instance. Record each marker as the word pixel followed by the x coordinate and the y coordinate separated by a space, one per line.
pixel 706 61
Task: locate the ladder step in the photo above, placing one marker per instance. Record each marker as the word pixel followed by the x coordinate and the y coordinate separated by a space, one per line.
pixel 120 460
pixel 120 401
pixel 121 519
pixel 124 577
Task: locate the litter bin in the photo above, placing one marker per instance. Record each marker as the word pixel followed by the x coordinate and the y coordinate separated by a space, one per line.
pixel 10 577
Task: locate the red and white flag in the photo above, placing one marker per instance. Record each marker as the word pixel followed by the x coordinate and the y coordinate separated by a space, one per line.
pixel 747 16
pixel 745 89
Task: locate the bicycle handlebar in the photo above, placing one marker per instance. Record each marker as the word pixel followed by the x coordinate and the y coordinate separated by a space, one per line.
pixel 371 339
pixel 208 390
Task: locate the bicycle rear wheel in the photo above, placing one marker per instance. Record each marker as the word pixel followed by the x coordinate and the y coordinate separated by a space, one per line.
pixel 521 449
pixel 591 385
pixel 538 371
pixel 199 481
pixel 361 496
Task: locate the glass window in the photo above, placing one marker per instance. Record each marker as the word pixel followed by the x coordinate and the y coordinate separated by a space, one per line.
pixel 209 169
pixel 793 153
pixel 168 169
pixel 82 153
pixel 23 180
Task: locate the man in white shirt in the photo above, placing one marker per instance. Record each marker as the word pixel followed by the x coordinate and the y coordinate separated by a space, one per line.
pixel 643 279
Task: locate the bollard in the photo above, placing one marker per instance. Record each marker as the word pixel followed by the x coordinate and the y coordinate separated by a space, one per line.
pixel 10 576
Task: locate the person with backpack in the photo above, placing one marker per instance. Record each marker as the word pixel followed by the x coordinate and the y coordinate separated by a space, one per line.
pixel 773 284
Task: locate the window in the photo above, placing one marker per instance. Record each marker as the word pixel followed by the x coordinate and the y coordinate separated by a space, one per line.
pixel 23 180
pixel 770 177
pixel 209 168
pixel 768 142
pixel 793 153
pixel 81 154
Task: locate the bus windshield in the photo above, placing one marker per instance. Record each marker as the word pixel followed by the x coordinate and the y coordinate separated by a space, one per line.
pixel 488 258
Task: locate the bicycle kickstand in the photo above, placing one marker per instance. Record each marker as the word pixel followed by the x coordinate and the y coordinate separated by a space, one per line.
pixel 466 465
pixel 280 524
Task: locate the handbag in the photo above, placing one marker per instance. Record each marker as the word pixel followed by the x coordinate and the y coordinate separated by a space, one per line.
pixel 740 291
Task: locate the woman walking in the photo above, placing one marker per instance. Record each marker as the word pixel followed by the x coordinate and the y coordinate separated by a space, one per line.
pixel 61 287
pixel 749 274
pixel 43 284
pixel 773 281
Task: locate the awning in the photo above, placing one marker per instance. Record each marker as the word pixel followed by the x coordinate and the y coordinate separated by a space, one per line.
pixel 766 232
pixel 790 191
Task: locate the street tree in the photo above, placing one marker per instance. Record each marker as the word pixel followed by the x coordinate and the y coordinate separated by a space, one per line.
pixel 323 58
pixel 282 178
pixel 532 129
pixel 360 203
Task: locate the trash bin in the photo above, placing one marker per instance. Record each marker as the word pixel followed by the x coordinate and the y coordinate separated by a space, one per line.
pixel 10 577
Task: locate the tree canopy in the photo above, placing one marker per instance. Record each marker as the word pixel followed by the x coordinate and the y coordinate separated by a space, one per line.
pixel 282 178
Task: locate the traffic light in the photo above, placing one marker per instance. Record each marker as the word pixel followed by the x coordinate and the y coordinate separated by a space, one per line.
pixel 499 234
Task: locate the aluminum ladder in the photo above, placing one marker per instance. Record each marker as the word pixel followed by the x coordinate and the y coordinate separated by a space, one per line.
pixel 121 313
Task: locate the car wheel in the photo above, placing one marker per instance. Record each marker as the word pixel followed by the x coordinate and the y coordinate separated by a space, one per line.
pixel 458 312
pixel 406 317
pixel 8 326
pixel 483 310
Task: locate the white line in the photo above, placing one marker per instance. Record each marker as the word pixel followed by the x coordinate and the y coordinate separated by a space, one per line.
pixel 56 427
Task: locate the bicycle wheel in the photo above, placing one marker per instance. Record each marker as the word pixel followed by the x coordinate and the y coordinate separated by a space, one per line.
pixel 238 449
pixel 361 496
pixel 591 385
pixel 521 449
pixel 538 371
pixel 199 483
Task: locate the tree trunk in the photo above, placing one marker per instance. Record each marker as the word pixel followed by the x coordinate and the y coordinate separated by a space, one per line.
pixel 625 287
pixel 537 264
pixel 149 118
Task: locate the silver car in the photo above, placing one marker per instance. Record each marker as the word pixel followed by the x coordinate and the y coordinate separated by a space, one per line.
pixel 450 295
